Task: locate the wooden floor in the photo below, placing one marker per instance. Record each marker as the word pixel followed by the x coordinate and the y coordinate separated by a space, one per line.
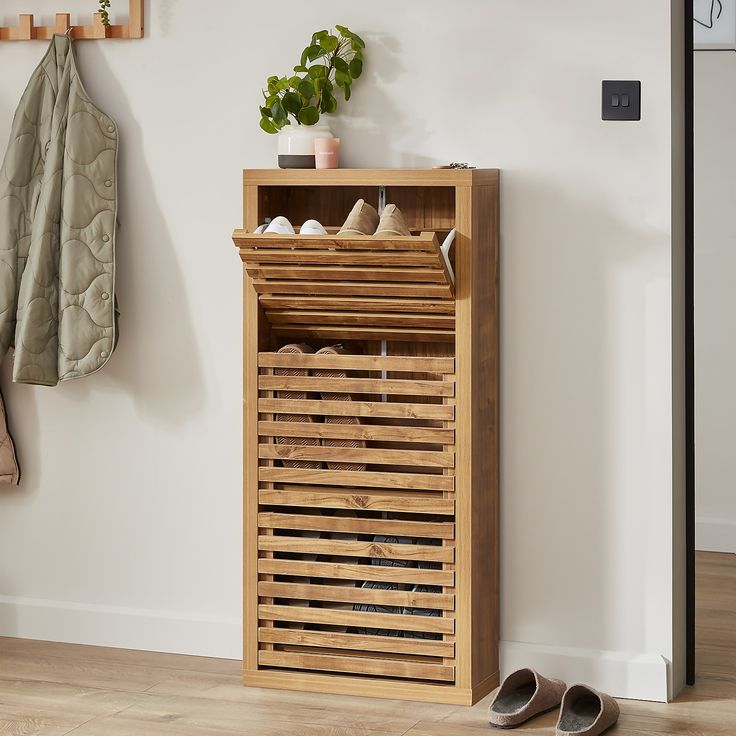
pixel 90 691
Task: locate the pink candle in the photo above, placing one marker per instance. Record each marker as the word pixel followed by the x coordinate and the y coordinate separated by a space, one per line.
pixel 327 153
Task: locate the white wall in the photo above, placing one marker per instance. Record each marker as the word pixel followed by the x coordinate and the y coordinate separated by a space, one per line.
pixel 126 529
pixel 715 299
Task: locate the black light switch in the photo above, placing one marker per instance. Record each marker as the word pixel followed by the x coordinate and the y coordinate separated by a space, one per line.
pixel 621 100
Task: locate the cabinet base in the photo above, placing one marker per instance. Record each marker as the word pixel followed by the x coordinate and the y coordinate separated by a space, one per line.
pixel 370 687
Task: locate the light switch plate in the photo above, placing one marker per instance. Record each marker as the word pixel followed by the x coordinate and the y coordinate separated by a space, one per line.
pixel 621 100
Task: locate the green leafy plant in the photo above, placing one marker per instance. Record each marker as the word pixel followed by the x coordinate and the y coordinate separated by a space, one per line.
pixel 104 14
pixel 331 60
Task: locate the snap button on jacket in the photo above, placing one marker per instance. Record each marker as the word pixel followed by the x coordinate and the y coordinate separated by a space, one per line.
pixel 58 214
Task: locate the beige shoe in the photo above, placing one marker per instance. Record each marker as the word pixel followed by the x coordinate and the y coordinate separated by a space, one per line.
pixel 524 694
pixel 327 396
pixel 392 223
pixel 586 712
pixel 298 395
pixel 362 220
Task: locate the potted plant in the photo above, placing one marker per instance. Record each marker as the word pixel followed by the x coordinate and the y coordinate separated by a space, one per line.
pixel 293 105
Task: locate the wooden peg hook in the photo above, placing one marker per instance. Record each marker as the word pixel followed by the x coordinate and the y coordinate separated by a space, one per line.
pixel 26 30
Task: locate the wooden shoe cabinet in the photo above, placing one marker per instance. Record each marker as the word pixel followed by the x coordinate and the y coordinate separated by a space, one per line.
pixel 371 522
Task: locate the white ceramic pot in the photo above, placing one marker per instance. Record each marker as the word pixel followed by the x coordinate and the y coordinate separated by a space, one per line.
pixel 296 145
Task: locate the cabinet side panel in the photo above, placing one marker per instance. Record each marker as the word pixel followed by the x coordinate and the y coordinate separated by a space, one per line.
pixel 485 423
pixel 464 434
pixel 250 450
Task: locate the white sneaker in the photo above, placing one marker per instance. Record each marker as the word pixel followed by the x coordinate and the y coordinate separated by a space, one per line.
pixel 280 225
pixel 312 227
pixel 445 250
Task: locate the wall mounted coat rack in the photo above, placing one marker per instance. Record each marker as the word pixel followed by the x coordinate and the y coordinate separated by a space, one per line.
pixel 26 30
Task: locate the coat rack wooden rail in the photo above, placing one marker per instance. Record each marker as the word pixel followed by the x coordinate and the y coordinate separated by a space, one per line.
pixel 26 30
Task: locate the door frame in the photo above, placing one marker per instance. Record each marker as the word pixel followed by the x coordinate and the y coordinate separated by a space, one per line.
pixel 689 345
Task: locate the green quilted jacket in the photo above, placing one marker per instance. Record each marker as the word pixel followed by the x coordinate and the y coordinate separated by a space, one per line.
pixel 58 215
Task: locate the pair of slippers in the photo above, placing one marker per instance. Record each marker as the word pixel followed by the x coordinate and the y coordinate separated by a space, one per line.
pixel 364 220
pixel 525 694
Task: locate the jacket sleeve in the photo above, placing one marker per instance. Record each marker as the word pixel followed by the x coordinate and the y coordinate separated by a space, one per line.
pixel 20 180
pixel 12 230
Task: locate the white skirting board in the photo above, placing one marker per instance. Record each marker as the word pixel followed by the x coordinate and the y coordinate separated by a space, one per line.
pixel 124 628
pixel 622 674
pixel 715 535
pixel 637 676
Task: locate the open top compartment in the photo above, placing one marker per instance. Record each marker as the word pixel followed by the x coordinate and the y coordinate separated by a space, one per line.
pixel 370 438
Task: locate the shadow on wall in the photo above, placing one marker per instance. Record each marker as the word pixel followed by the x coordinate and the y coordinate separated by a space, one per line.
pixel 383 67
pixel 156 356
pixel 580 494
pixel 166 14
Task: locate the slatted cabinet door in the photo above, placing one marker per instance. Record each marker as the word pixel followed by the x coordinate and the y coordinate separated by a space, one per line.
pixel 357 561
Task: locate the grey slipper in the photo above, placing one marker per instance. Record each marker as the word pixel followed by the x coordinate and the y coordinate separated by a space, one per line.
pixel 524 694
pixel 586 712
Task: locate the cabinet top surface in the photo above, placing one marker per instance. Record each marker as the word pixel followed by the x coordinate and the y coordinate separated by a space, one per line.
pixel 359 177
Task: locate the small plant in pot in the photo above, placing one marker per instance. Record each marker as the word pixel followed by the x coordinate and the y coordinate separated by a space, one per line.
pixel 293 105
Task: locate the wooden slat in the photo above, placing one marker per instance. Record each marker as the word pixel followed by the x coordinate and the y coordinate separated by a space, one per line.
pixel 341 547
pixel 358 479
pixel 366 501
pixel 392 527
pixel 372 456
pixel 328 332
pixel 378 319
pixel 354 288
pixel 349 571
pixel 352 594
pixel 366 304
pixel 341 617
pixel 369 687
pixel 426 241
pixel 393 363
pixel 346 273
pixel 358 642
pixel 317 384
pixel 381 433
pixel 362 665
pixel 299 256
pixel 384 409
